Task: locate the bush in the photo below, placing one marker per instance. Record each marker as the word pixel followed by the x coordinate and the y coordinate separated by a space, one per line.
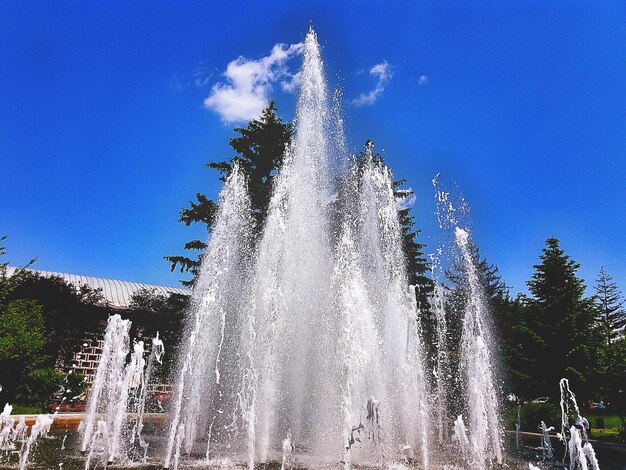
pixel 532 414
pixel 41 384
pixel 27 372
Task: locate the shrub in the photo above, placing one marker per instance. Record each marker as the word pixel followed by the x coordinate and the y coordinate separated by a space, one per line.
pixel 532 414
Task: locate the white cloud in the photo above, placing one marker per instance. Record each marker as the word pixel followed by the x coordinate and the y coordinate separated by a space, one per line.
pixel 407 200
pixel 292 83
pixel 383 74
pixel 423 80
pixel 249 82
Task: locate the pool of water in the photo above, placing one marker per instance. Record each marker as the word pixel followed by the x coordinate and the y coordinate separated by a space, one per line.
pixel 59 450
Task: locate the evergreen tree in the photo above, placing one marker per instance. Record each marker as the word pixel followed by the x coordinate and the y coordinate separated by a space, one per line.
pixel 259 152
pixel 610 315
pixel 561 321
pixel 518 344
pixel 416 264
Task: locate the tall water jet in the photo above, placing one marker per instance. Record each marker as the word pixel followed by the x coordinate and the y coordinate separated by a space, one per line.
pixel 309 347
pixel 442 365
pixel 209 377
pixel 580 452
pixel 120 388
pixel 156 356
pixel 105 397
pixel 294 374
pixel 477 365
pixel 404 396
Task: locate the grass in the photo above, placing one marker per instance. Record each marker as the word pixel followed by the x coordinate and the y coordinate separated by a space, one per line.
pixel 610 435
pixel 533 413
pixel 610 421
pixel 26 410
pixel 613 427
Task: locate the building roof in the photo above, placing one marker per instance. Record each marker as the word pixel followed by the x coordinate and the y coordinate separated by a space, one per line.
pixel 117 293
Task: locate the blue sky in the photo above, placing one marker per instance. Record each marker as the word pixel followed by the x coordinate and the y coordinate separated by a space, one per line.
pixel 105 122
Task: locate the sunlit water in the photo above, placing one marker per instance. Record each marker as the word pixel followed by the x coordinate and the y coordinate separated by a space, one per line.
pixel 311 336
pixel 303 346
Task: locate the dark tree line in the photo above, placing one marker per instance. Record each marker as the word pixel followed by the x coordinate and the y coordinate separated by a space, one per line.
pixel 556 331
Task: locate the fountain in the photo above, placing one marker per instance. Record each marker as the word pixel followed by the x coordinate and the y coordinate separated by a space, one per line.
pixel 547 453
pixel 14 437
pixel 482 399
pixel 118 388
pixel 308 334
pixel 578 450
pixel 303 346
pixel 442 370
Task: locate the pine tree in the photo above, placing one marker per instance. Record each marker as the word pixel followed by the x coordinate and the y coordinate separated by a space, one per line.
pixel 259 152
pixel 561 321
pixel 610 315
pixel 416 264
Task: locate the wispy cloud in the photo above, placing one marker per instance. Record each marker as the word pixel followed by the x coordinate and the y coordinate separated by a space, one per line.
pixel 422 81
pixel 291 83
pixel 248 83
pixel 175 82
pixel 202 76
pixel 383 74
pixel 406 199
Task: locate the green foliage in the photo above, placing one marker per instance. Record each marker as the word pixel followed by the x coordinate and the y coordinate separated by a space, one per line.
pixel 27 374
pixel 614 378
pixel 22 334
pixel 163 314
pixel 19 409
pixel 531 415
pixel 561 319
pixel 259 149
pixel 68 311
pixel 40 384
pixel 611 316
pixel 73 386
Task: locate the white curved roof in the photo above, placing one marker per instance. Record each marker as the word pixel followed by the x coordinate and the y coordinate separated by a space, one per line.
pixel 116 293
